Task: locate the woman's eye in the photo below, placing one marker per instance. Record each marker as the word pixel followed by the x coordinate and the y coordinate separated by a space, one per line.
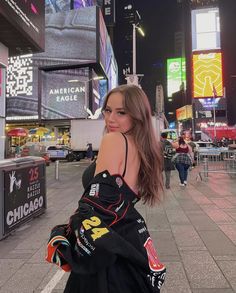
pixel 121 113
pixel 107 111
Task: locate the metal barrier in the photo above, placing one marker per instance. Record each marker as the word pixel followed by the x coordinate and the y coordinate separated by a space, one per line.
pixel 223 162
pixel 57 170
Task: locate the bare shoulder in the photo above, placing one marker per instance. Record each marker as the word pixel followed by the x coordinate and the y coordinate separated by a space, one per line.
pixel 111 153
pixel 110 138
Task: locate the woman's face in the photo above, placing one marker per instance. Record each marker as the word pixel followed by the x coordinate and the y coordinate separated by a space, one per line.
pixel 116 119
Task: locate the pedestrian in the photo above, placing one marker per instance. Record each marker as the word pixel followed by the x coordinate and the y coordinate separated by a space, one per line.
pixel 17 150
pixel 168 155
pixel 183 160
pixel 89 152
pixel 114 252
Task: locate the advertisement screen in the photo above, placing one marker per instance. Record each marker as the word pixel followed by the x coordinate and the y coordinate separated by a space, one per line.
pixel 61 98
pixel 176 75
pixel 25 195
pixel 205 29
pixel 106 56
pixel 184 113
pixel 70 38
pixel 2 92
pixel 207 75
pixel 27 17
pixel 83 3
pixel 53 6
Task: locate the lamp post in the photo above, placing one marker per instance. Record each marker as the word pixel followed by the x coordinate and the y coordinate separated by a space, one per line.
pixel 133 78
pixel 134 49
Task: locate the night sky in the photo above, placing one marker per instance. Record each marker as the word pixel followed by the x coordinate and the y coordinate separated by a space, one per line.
pixel 160 20
pixel 159 23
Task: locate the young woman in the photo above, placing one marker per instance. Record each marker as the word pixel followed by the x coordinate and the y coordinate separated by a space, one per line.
pixel 183 160
pixel 121 258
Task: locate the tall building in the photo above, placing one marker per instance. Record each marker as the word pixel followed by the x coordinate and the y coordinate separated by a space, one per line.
pixel 208 27
pixel 228 30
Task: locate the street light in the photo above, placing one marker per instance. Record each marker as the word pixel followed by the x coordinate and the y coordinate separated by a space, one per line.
pixel 133 78
pixel 135 26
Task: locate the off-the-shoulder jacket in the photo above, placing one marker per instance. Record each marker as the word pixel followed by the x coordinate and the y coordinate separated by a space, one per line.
pixel 104 232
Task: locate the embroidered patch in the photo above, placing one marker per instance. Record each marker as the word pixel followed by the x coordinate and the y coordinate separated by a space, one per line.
pixel 94 190
pixel 119 181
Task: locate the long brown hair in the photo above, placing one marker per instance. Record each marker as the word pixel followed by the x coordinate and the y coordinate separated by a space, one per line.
pixel 136 104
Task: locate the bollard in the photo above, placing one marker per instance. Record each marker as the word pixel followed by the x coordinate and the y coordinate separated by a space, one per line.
pixel 57 170
pixel 205 167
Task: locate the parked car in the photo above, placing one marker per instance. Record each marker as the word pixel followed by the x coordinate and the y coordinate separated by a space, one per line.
pixel 61 152
pixel 29 151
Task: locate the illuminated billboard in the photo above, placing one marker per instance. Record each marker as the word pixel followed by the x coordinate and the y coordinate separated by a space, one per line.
pixel 70 38
pixel 63 96
pixel 2 92
pixel 83 3
pixel 207 75
pixel 53 6
pixel 205 29
pixel 184 113
pixel 83 42
pixel 22 24
pixel 106 54
pixel 176 75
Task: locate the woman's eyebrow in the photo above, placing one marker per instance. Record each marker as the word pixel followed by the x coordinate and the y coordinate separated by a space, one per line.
pixel 115 108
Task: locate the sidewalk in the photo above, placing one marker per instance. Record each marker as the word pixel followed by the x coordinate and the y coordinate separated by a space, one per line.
pixel 194 231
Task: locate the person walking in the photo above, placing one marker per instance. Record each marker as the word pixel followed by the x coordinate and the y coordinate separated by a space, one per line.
pixel 182 160
pixel 17 151
pixel 167 154
pixel 115 253
pixel 89 152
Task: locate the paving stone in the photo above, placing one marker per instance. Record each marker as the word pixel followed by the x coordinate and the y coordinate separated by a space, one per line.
pixel 158 221
pixel 223 203
pixel 230 231
pixel 8 267
pixel 218 243
pixel 201 221
pixel 229 270
pixel 189 205
pixel 223 290
pixel 176 280
pixel 177 217
pixel 218 216
pixel 231 213
pixel 194 231
pixel 186 236
pixel 202 271
pixel 165 245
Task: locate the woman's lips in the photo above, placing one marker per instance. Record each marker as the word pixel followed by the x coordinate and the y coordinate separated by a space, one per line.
pixel 112 128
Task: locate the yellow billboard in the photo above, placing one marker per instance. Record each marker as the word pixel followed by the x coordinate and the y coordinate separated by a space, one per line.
pixel 207 74
pixel 184 113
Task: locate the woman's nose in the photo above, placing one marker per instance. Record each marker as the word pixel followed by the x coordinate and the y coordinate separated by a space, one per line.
pixel 111 116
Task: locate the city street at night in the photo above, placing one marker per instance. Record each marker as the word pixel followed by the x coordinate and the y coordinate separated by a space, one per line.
pixel 194 232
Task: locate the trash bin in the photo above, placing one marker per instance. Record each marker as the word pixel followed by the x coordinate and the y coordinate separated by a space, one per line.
pixel 22 190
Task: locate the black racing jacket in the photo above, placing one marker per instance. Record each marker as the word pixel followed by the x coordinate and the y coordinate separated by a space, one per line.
pixel 106 231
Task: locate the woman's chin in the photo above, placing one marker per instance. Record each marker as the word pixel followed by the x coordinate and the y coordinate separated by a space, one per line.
pixel 113 130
